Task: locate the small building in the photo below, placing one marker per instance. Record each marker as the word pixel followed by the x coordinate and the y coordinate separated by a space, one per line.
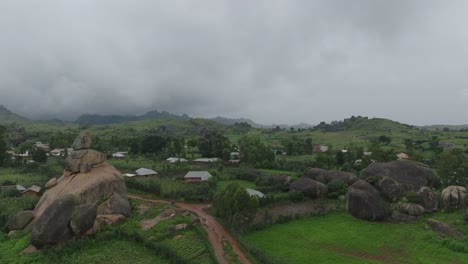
pixel 367 153
pixel 119 155
pixel 175 160
pixel 253 192
pixel 43 146
pixel 13 187
pixel 129 175
pixel 319 148
pixel 206 160
pixel 60 152
pixel 197 176
pixel 402 155
pixel 33 190
pixel 146 173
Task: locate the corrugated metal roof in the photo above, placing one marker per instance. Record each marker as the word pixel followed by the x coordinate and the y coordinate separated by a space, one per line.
pixel 145 171
pixel 253 192
pixel 203 175
pixel 33 188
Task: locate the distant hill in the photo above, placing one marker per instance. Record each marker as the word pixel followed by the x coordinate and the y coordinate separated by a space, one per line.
pixel 115 119
pixel 442 127
pixel 231 121
pixel 364 123
pixel 7 117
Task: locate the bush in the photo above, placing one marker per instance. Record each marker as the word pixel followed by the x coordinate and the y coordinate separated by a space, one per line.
pixel 296 196
pixel 412 197
pixel 373 180
pixel 337 186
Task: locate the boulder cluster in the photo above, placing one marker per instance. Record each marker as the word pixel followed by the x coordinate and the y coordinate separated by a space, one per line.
pixel 90 193
pixel 401 189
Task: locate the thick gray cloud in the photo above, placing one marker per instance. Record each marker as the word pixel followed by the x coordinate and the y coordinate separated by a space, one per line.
pixel 271 61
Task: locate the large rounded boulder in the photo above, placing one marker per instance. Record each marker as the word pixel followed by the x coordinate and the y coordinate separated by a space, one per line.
pixel 398 177
pixel 363 201
pixel 71 206
pixel 429 199
pixel 325 176
pixel 454 197
pixel 51 227
pixel 310 188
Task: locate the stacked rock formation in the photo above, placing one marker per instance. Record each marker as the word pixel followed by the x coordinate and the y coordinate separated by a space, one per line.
pixel 90 193
pixel 393 182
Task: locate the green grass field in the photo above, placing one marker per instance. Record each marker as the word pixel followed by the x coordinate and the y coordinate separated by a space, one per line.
pixel 340 238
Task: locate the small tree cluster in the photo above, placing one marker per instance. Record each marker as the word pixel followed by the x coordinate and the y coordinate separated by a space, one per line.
pixel 235 206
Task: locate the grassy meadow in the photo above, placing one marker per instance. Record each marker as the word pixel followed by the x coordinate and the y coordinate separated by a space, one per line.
pixel 340 238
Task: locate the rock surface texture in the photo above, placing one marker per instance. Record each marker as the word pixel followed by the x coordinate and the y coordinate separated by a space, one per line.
pixel 310 188
pixel 363 201
pixel 397 177
pixel 74 204
pixel 454 197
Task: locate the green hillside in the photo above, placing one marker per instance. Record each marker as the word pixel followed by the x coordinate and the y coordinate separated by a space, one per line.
pixel 7 117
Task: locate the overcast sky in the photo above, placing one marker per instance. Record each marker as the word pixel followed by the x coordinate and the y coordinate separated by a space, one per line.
pixel 270 61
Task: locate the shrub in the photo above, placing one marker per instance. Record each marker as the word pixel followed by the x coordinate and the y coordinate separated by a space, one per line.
pixel 296 196
pixel 412 197
pixel 337 186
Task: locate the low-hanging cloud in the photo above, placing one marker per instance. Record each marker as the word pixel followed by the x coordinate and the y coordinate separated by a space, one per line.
pixel 271 61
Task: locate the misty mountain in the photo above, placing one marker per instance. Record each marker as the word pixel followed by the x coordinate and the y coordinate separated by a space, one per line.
pixel 7 117
pixel 113 119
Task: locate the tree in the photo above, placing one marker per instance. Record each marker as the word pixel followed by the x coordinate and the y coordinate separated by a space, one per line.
pixel 39 155
pixel 3 147
pixel 235 206
pixel 213 144
pixel 385 139
pixel 253 151
pixel 153 144
pixel 451 166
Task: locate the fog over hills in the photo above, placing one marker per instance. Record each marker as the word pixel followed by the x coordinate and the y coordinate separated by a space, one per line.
pixel 283 62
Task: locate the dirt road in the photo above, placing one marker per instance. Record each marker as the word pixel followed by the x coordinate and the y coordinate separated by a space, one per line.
pixel 216 233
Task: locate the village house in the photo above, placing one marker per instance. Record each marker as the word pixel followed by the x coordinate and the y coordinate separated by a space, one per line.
pixel 119 155
pixel 401 156
pixel 197 176
pixel 253 192
pixel 319 148
pixel 206 160
pixel 39 145
pixel 60 152
pixel 33 190
pixel 13 187
pixel 175 160
pixel 146 173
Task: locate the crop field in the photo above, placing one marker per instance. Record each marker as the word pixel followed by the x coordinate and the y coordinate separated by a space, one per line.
pixel 340 238
pixel 190 247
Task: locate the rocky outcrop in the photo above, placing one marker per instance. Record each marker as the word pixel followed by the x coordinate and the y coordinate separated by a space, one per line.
pixel 401 217
pixel 51 227
pixel 83 160
pixel 389 188
pixel 454 197
pixel 408 175
pixel 90 192
pixel 83 218
pixel 310 188
pixel 83 141
pixel 429 199
pixel 363 201
pixel 20 220
pixel 325 176
pixel 444 229
pixel 411 209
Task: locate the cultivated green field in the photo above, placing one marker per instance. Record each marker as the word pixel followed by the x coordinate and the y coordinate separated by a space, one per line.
pixel 340 238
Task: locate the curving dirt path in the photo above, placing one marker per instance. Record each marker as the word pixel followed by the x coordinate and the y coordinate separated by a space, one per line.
pixel 216 232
